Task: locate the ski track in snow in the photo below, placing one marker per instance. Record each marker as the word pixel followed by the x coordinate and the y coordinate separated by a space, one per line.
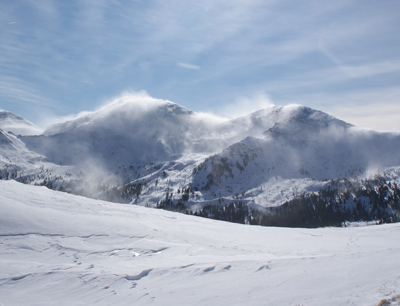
pixel 60 249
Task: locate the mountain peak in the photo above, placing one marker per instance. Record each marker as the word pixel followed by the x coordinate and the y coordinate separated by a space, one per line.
pixel 10 122
pixel 301 122
pixel 140 103
pixel 123 110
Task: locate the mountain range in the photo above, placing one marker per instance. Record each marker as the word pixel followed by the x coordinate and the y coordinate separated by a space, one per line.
pixel 156 153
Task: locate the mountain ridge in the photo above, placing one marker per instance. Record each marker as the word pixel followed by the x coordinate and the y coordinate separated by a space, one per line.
pixel 163 155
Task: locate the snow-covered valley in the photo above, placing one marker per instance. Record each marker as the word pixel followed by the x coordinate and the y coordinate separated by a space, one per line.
pixel 61 249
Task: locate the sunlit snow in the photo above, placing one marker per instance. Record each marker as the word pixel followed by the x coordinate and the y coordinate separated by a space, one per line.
pixel 61 249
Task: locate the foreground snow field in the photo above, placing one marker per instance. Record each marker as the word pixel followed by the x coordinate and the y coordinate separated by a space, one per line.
pixel 60 249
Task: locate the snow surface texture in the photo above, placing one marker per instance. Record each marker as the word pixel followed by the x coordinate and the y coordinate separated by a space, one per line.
pixel 61 249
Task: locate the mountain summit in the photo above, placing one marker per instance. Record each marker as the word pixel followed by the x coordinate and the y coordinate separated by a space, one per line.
pixel 130 129
pixel 10 122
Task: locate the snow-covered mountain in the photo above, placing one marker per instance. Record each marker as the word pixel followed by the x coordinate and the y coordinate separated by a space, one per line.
pixel 10 122
pixel 153 152
pixel 307 144
pixel 130 129
pixel 61 249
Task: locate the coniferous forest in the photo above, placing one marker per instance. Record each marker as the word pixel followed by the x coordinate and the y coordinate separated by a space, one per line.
pixel 342 202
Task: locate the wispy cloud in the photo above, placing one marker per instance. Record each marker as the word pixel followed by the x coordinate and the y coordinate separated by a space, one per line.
pixel 77 53
pixel 246 105
pixel 12 89
pixel 374 108
pixel 188 66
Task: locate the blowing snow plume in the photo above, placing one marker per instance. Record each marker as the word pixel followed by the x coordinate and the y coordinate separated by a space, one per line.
pixel 130 129
pixel 246 105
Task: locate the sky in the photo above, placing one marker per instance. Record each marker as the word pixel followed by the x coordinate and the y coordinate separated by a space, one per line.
pixel 59 58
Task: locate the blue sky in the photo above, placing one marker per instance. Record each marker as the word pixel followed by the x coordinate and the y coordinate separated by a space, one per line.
pixel 226 57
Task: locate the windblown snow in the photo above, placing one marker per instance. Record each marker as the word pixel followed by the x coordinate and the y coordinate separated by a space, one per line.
pixel 61 249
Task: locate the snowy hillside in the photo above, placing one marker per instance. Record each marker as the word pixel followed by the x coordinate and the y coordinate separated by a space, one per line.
pixel 155 153
pixel 60 249
pixel 10 122
pixel 16 158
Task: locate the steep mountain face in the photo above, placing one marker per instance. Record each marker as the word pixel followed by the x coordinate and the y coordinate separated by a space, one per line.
pixel 10 122
pixel 156 153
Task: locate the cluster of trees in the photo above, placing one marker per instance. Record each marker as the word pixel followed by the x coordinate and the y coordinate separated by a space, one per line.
pixel 169 204
pixel 8 174
pixel 344 201
pixel 237 212
pixel 127 192
pixel 334 206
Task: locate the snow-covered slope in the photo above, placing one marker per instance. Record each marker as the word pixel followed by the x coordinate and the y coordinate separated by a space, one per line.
pixel 10 122
pixel 15 157
pixel 60 249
